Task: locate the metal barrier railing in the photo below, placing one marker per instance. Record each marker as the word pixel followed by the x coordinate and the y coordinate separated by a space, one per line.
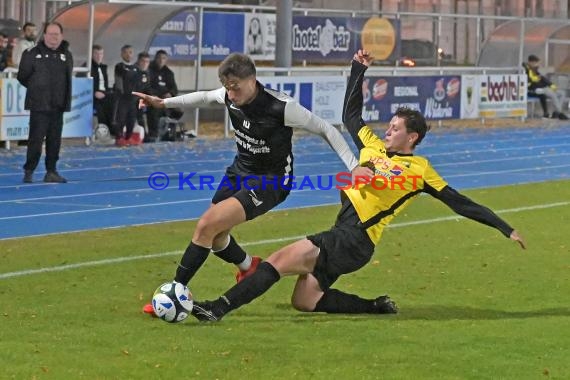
pixel 10 74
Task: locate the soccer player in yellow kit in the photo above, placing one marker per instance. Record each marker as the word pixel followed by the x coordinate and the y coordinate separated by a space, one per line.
pixel 367 208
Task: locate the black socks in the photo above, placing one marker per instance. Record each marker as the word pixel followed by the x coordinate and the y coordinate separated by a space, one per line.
pixel 233 253
pixel 335 301
pixel 249 289
pixel 191 261
pixel 195 255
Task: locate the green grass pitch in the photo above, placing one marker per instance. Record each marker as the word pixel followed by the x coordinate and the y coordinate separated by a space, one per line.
pixel 473 305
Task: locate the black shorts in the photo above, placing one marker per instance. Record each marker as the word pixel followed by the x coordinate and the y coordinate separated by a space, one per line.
pixel 345 248
pixel 257 193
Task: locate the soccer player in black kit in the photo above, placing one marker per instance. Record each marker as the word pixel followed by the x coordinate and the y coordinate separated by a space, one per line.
pixel 320 259
pixel 263 120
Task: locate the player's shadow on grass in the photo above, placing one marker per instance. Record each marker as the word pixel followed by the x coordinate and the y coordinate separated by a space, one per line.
pixel 410 313
pixel 445 313
pixel 419 312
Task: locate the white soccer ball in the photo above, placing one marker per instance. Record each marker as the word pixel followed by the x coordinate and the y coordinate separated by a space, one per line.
pixel 172 302
pixel 102 135
pixel 102 132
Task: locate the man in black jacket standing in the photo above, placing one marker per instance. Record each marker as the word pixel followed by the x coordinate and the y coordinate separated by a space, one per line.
pixel 125 111
pixel 142 85
pixel 164 86
pixel 101 93
pixel 46 71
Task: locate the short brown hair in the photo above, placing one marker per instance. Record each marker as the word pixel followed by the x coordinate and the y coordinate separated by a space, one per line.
pixel 143 54
pixel 238 65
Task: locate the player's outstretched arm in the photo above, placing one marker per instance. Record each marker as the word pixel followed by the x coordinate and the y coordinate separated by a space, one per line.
pixel 353 98
pixel 464 206
pixel 193 99
pixel 149 100
pixel 363 56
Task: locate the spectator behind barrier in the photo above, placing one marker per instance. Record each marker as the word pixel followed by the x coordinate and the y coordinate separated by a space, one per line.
pixel 125 107
pixel 540 87
pixel 164 86
pixel 143 83
pixel 102 103
pixel 4 53
pixel 27 41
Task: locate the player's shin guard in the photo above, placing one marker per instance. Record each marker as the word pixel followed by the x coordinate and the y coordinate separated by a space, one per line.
pixel 232 253
pixel 248 289
pixel 191 261
pixel 335 301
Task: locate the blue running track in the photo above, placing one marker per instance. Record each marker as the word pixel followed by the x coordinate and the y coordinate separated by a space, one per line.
pixel 109 186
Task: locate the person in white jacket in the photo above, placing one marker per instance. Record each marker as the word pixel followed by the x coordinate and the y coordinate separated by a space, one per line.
pixel 27 41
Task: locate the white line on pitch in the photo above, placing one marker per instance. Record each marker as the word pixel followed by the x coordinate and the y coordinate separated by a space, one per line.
pixel 259 242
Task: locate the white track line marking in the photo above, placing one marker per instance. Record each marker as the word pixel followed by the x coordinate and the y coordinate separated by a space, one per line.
pixel 470 149
pixel 61 268
pixel 105 209
pixel 164 150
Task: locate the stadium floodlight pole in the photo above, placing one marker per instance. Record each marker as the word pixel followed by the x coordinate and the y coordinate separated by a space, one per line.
pixel 198 62
pixel 284 31
pixel 90 37
pixel 521 40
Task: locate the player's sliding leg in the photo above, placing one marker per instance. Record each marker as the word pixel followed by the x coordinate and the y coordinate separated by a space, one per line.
pixel 296 258
pixel 309 297
pixel 240 294
pixel 335 301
